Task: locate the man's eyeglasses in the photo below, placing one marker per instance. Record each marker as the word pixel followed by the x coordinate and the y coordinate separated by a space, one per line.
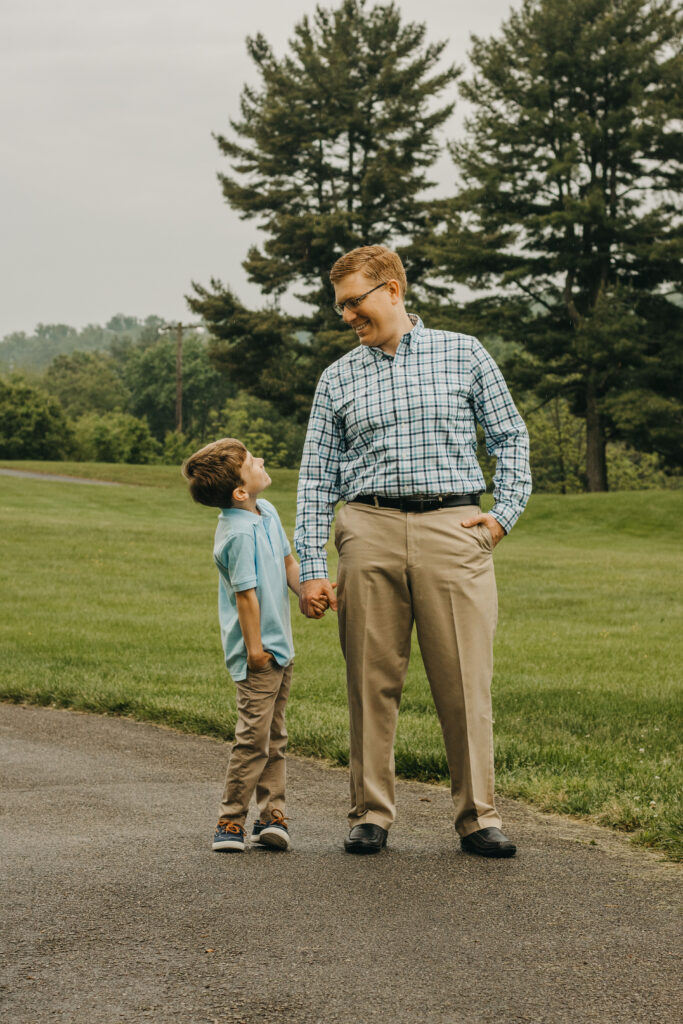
pixel 339 307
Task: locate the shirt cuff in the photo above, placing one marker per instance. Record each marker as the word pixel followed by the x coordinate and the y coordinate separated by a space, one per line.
pixel 244 585
pixel 506 515
pixel 313 568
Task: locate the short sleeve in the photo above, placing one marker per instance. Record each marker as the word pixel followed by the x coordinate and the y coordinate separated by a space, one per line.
pixel 237 561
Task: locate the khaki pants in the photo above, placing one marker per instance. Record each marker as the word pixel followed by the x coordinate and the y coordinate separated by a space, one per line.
pixel 257 758
pixel 396 568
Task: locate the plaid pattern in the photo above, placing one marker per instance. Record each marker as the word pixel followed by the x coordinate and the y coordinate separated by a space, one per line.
pixel 406 425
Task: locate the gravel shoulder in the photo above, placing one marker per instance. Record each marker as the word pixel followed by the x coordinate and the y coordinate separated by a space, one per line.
pixel 116 910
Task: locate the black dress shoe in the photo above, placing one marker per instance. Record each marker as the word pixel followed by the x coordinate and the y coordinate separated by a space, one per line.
pixel 366 839
pixel 488 842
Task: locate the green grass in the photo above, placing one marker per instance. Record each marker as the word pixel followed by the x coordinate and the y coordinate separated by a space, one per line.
pixel 109 605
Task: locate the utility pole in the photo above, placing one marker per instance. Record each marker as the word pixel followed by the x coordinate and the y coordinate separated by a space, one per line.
pixel 179 328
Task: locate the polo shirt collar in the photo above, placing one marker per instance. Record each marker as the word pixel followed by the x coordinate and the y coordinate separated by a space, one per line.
pixel 241 512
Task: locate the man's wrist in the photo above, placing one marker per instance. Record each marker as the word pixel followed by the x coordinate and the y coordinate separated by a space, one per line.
pixel 504 516
pixel 313 569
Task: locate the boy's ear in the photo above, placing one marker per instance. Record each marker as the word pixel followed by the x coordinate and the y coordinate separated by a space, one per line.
pixel 240 493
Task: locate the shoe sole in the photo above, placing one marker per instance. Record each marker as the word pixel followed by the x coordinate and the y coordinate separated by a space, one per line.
pixel 276 839
pixel 363 848
pixel 499 854
pixel 229 847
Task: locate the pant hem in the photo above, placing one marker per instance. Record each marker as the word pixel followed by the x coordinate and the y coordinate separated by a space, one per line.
pixel 488 821
pixel 372 818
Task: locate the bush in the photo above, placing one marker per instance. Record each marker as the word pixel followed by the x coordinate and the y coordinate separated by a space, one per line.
pixel 115 437
pixel 177 447
pixel 251 420
pixel 558 456
pixel 32 424
pixel 630 470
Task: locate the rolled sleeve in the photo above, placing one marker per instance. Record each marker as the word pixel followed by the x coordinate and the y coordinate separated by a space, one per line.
pixel 506 437
pixel 319 489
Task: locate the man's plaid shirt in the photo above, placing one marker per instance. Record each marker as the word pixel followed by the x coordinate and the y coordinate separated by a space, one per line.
pixel 406 425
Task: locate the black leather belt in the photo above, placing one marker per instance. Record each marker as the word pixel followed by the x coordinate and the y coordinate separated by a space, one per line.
pixel 418 503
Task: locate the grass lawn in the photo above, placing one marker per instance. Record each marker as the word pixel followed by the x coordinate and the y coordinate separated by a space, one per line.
pixel 109 604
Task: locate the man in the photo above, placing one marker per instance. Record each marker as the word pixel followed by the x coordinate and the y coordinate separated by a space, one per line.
pixel 393 432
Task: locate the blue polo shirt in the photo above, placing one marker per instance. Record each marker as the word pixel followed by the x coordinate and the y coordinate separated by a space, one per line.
pixel 249 551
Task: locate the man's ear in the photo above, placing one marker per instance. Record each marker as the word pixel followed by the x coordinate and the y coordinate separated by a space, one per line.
pixel 394 290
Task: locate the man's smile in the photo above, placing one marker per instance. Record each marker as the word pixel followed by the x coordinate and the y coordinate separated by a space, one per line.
pixel 361 325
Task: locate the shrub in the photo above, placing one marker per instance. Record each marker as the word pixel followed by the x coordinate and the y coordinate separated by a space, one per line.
pixel 32 424
pixel 115 437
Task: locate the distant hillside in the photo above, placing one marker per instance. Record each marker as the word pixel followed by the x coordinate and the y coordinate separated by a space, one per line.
pixel 21 351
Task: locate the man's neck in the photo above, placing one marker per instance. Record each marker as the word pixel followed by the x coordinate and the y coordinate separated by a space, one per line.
pixel 404 327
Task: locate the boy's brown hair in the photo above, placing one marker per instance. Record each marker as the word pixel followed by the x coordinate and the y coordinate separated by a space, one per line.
pixel 377 263
pixel 214 472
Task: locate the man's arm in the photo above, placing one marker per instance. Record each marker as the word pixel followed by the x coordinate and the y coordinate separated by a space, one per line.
pixel 318 493
pixel 506 438
pixel 249 614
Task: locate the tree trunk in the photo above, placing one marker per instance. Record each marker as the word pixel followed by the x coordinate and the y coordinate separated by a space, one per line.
pixel 596 464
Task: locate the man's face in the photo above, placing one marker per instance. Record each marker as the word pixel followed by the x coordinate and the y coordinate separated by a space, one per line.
pixel 254 476
pixel 373 319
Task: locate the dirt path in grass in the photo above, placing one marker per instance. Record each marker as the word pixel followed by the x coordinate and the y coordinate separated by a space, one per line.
pixel 116 910
pixel 30 475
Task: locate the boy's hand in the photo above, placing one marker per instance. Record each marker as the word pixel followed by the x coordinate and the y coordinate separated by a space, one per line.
pixel 320 605
pixel 259 661
pixel 313 590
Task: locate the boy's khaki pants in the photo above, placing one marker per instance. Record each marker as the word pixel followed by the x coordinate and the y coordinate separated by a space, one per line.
pixel 257 758
pixel 396 568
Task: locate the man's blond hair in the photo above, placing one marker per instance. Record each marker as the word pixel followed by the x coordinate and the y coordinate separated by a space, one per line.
pixel 375 261
pixel 215 471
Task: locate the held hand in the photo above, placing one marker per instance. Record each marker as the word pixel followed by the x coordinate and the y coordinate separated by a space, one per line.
pixel 259 661
pixel 490 522
pixel 314 594
pixel 320 604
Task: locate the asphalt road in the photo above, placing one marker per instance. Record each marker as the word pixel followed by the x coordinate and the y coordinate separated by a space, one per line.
pixel 115 908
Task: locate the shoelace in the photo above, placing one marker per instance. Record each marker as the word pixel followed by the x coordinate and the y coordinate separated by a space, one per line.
pixel 231 826
pixel 278 818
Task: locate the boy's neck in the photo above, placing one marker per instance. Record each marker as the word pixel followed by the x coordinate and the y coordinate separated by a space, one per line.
pixel 249 506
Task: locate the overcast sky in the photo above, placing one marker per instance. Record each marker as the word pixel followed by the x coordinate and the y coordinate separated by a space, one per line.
pixel 110 201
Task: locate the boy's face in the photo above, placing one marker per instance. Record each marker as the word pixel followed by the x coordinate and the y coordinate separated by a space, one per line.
pixel 254 478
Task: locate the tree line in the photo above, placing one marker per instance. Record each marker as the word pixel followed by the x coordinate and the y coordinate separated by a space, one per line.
pixel 563 229
pixel 117 404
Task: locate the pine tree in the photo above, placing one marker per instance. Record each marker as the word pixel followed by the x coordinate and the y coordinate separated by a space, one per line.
pixel 331 151
pixel 566 215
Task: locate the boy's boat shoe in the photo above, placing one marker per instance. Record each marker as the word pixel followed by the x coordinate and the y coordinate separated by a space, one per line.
pixel 229 837
pixel 275 833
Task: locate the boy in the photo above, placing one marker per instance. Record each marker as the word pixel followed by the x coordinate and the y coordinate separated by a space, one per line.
pixel 255 566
